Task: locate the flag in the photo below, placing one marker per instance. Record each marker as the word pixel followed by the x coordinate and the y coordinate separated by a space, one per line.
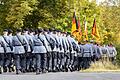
pixel 95 32
pixel 79 27
pixel 79 32
pixel 85 30
pixel 74 25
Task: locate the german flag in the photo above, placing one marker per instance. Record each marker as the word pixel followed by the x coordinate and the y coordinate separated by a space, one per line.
pixel 79 32
pixel 74 25
pixel 85 30
pixel 95 32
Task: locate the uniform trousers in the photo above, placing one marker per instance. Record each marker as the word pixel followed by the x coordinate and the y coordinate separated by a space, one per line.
pixel 67 59
pixel 40 61
pixel 86 62
pixel 9 60
pixel 20 61
pixel 2 55
pixel 54 60
pixel 49 61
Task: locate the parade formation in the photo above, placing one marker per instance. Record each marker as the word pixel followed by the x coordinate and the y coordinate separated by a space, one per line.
pixel 48 50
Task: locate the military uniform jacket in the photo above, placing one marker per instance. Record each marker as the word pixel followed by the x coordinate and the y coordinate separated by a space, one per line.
pixel 104 51
pixel 50 42
pixel 75 46
pixel 61 44
pixel 80 53
pixel 2 45
pixel 39 44
pixel 94 49
pixel 20 44
pixel 57 43
pixel 29 42
pixel 8 42
pixel 70 44
pixel 87 51
pixel 67 45
pixel 111 51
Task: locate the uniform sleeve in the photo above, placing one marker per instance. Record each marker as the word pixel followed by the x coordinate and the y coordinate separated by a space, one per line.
pixel 4 45
pixel 91 51
pixel 108 53
pixel 100 50
pixel 115 51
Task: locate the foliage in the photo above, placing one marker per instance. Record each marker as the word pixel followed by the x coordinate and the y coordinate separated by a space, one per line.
pixel 58 14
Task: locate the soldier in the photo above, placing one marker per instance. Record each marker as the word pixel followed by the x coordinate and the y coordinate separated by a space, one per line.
pixel 29 50
pixel 66 50
pixel 61 54
pixel 40 49
pixel 32 56
pixel 111 53
pixel 55 50
pixel 87 54
pixel 59 50
pixel 51 50
pixel 73 53
pixel 9 50
pixel 80 56
pixel 20 47
pixel 94 48
pixel 99 51
pixel 104 53
pixel 11 66
pixel 3 48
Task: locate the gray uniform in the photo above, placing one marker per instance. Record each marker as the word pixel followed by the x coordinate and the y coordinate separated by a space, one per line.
pixel 29 40
pixel 87 54
pixel 80 57
pixel 40 49
pixel 67 53
pixel 2 51
pixel 62 51
pixel 9 50
pixel 111 53
pixel 72 44
pixel 55 51
pixel 20 47
pixel 94 48
pixel 51 50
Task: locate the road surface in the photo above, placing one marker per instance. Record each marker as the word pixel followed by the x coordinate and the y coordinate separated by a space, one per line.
pixel 63 76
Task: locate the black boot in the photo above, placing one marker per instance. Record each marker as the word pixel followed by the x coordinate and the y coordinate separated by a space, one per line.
pixel 23 71
pixel 0 70
pixel 5 69
pixel 37 71
pixel 11 69
pixel 18 71
pixel 44 71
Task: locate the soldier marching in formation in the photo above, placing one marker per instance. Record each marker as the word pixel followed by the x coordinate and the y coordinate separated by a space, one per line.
pixel 48 50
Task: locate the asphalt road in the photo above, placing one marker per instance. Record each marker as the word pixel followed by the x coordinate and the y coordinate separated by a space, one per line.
pixel 63 76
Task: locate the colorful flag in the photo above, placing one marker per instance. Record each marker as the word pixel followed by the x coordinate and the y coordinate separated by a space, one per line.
pixel 95 32
pixel 85 30
pixel 79 32
pixel 74 25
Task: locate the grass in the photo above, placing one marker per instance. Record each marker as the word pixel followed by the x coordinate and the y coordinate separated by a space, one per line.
pixel 102 66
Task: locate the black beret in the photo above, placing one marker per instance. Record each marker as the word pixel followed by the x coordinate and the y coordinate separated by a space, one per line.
pixel 18 30
pixel 10 31
pixel 5 30
pixel 40 30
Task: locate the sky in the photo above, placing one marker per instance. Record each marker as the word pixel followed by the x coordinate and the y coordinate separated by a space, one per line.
pixel 98 1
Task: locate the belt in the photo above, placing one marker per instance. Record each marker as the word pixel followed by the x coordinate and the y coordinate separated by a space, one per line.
pixel 18 45
pixel 86 52
pixel 37 45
